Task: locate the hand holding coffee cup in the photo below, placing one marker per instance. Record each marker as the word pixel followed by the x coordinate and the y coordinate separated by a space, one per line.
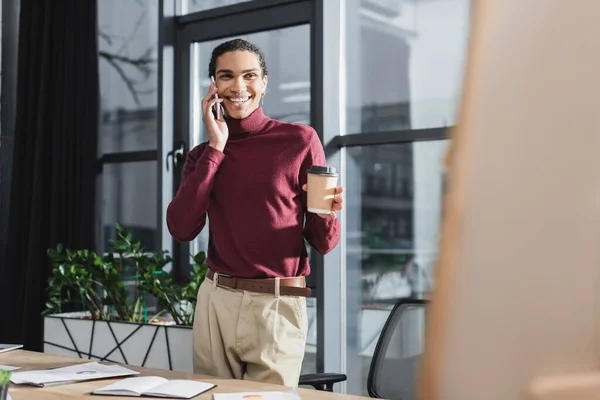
pixel 323 196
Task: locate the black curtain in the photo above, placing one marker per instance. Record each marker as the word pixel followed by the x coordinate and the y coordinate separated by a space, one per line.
pixel 52 190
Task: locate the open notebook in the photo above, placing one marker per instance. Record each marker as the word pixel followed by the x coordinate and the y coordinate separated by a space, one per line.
pixel 155 386
pixel 72 373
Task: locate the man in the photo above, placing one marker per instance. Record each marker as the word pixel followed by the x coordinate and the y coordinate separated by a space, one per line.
pixel 250 178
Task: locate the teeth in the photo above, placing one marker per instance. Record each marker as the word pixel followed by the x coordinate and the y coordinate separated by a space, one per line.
pixel 239 100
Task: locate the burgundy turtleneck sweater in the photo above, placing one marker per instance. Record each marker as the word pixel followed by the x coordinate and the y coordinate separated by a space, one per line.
pixel 252 193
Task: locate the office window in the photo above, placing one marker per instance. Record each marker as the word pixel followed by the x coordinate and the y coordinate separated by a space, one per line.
pixel 404 71
pixel 129 197
pixel 393 201
pixel 128 63
pixel 405 61
pixel 127 43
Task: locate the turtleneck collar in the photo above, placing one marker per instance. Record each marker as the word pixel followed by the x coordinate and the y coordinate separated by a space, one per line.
pixel 252 124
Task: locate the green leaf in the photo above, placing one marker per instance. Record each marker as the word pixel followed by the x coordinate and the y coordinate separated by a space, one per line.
pixel 199 258
pixel 4 377
pixel 121 247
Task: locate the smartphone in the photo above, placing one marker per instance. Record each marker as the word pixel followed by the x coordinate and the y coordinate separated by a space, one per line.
pixel 217 108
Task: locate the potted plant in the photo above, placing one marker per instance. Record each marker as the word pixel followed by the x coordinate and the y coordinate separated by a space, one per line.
pixel 4 383
pixel 115 294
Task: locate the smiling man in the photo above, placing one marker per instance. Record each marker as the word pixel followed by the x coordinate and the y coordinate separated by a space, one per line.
pixel 249 178
pixel 241 96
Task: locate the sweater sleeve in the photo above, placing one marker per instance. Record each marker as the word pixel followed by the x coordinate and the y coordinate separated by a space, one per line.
pixel 323 234
pixel 186 214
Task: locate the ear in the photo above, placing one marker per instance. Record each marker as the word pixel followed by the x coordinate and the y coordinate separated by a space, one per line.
pixel 265 80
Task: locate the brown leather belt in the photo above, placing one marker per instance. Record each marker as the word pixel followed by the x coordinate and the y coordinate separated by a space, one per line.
pixel 287 286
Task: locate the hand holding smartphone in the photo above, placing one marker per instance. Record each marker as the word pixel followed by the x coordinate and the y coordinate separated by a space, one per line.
pixel 213 118
pixel 217 108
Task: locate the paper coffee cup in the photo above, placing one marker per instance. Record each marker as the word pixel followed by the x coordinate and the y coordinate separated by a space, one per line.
pixel 321 183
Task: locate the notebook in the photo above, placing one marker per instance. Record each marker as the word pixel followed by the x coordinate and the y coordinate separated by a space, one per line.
pixel 9 367
pixel 73 373
pixel 285 395
pixel 155 386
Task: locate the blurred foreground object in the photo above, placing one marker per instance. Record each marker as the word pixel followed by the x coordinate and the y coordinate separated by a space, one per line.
pixel 515 312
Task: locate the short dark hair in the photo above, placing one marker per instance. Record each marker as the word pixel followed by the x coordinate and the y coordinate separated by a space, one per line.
pixel 235 45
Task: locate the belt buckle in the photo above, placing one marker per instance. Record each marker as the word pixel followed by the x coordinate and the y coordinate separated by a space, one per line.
pixel 218 275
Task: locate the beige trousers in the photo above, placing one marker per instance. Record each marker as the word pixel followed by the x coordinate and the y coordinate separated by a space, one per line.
pixel 247 335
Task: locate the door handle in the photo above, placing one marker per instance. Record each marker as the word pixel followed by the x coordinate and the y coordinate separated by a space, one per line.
pixel 177 155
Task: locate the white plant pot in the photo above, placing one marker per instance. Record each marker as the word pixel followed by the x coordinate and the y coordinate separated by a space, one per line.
pixel 145 345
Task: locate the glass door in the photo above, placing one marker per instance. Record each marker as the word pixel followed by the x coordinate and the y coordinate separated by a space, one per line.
pixel 286 43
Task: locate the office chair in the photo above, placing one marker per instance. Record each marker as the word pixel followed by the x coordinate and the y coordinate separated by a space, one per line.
pixel 393 369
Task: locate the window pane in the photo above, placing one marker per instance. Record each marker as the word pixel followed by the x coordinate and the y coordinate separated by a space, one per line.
pixel 404 63
pixel 129 198
pixel 127 41
pixel 393 200
pixel 309 364
pixel 190 6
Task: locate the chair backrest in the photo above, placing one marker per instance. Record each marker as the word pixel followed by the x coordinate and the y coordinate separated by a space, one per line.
pixel 393 370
